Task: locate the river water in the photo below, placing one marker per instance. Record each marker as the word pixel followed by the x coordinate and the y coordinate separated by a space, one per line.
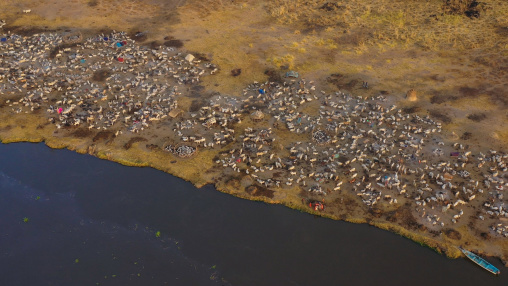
pixel 95 222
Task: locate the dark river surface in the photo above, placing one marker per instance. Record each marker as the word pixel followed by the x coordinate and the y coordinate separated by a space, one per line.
pixel 95 222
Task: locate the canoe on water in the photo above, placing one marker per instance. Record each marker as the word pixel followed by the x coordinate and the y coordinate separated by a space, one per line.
pixel 480 261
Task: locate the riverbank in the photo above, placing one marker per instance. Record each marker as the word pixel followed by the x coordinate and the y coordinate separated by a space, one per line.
pixel 320 144
pixel 119 213
pixel 190 169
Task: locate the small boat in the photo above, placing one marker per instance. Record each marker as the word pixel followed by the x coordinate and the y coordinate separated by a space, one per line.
pixel 480 261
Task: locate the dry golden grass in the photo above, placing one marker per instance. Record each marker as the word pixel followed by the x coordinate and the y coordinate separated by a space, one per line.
pixel 207 7
pixel 429 24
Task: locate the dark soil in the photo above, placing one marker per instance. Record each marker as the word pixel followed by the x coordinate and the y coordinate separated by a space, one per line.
pixel 440 116
pixel 342 82
pixel 196 105
pixel 233 184
pixel 82 133
pixel 466 136
pixel 273 76
pixel 201 57
pixel 57 49
pixel 236 72
pixel 138 36
pixel 453 234
pixel 154 45
pixel 394 215
pixel 133 140
pixel 498 97
pixel 469 8
pixel 277 174
pixel 151 147
pixel 467 91
pixel 412 109
pixel 26 31
pixel 258 191
pixel 407 219
pixel 330 6
pixel 103 135
pixel 502 31
pixel 350 204
pixel 101 75
pixel 196 90
pixel 6 128
pixel 438 99
pixel 173 43
pixel 377 213
pixel 437 77
pixel 477 117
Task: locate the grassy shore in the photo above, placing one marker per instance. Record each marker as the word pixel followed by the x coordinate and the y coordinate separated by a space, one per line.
pixel 187 169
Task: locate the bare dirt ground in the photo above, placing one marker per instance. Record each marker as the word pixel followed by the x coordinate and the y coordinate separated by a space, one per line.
pixel 453 55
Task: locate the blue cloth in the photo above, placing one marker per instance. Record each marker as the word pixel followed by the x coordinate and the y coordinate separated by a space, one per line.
pixel 82 61
pixel 4 40
pixel 119 44
pixel 262 91
pixel 106 38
